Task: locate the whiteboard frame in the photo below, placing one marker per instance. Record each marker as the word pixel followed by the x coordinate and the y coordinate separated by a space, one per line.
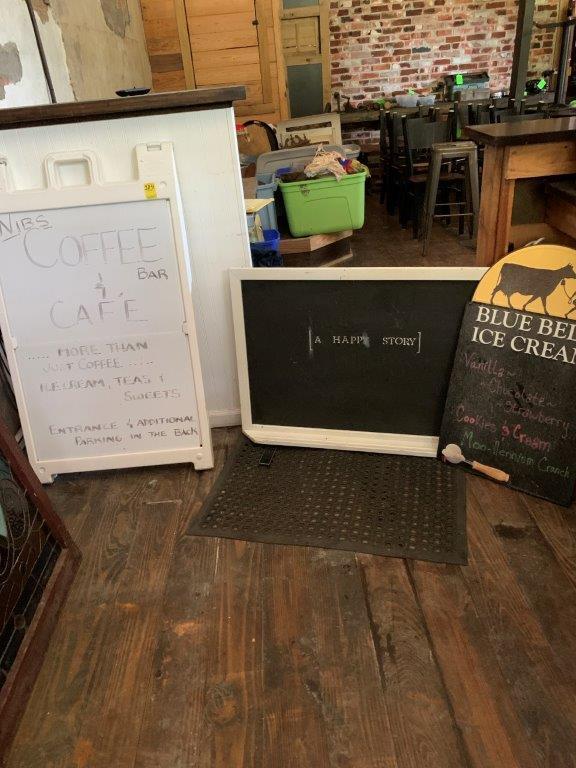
pixel 340 439
pixel 155 163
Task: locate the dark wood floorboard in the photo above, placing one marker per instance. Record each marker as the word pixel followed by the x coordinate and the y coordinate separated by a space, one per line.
pixel 527 608
pixel 381 243
pixel 421 719
pixel 558 527
pixel 187 652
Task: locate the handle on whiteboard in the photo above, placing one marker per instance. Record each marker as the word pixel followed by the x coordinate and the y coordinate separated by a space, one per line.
pixel 6 183
pixel 495 474
pixel 54 161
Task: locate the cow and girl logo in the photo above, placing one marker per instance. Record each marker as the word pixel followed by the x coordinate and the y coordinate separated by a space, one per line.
pixel 571 298
pixel 539 279
pixel 537 284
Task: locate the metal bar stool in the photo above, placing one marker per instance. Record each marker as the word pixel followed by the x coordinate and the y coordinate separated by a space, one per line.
pixel 441 153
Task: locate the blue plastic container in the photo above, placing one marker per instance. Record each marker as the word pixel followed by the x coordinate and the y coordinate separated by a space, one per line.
pixel 267 252
pixel 267 184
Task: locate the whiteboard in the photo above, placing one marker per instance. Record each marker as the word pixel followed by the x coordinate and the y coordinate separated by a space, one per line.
pixel 97 318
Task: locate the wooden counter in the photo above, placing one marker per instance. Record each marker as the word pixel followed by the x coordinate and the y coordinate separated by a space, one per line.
pixel 357 118
pixel 529 149
pixel 106 109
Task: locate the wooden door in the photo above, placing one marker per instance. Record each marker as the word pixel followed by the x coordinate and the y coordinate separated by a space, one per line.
pixel 306 45
pixel 235 42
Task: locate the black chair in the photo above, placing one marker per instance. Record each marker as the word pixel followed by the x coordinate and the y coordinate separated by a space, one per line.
pixel 464 117
pixel 395 170
pixel 388 153
pixel 391 154
pixel 484 114
pixel 469 113
pixel 384 157
pixel 511 118
pixel 452 122
pixel 419 139
pixel 514 111
pixel 455 175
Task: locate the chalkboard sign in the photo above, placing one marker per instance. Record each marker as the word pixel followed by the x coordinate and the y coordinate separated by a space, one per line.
pixel 511 409
pixel 348 358
pixel 97 317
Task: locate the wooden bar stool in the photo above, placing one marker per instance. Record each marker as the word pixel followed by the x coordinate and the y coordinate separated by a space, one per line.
pixel 454 151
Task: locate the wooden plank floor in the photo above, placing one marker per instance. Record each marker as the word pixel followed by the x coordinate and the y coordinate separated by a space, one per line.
pixel 181 652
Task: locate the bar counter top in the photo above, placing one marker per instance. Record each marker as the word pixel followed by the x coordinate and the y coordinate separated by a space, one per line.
pixel 523 132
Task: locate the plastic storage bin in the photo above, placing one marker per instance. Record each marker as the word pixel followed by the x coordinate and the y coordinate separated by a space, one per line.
pixel 299 157
pixel 266 186
pixel 268 217
pixel 267 252
pixel 324 205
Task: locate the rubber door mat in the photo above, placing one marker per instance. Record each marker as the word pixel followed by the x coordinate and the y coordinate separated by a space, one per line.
pixel 400 506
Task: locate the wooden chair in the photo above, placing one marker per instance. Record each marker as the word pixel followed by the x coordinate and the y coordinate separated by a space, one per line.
pixel 314 129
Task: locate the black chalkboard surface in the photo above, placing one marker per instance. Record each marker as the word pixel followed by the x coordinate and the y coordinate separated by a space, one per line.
pixel 511 405
pixel 362 355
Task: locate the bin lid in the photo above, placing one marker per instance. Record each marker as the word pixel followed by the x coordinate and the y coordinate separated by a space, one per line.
pixel 269 162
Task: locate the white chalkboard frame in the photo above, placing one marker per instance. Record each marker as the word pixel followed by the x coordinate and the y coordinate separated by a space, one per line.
pixel 375 442
pixel 155 164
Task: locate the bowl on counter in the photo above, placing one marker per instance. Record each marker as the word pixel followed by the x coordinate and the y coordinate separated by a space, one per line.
pixel 407 100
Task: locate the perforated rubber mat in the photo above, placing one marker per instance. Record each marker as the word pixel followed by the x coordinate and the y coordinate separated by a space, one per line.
pixel 401 506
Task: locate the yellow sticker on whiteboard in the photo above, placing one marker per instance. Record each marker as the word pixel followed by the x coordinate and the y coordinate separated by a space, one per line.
pixel 150 190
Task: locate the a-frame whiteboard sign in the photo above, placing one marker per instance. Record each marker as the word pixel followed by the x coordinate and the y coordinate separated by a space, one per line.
pixel 97 318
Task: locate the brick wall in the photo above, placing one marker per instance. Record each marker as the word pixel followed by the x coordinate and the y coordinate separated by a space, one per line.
pixel 384 47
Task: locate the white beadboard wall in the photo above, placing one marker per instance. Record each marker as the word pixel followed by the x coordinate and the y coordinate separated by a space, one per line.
pixel 209 173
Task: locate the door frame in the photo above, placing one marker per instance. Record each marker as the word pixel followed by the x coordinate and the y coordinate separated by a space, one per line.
pixel 185 46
